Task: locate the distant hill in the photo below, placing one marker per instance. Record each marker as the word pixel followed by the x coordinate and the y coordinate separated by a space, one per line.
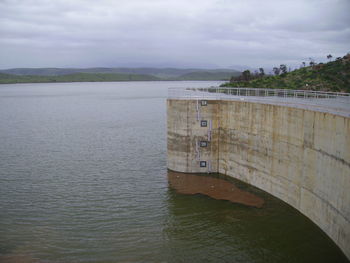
pixel 158 72
pixel 22 75
pixel 207 75
pixel 77 77
pixel 331 76
pixel 167 72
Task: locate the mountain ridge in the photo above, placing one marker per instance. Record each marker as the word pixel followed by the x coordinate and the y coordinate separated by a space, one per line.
pixel 42 75
pixel 171 72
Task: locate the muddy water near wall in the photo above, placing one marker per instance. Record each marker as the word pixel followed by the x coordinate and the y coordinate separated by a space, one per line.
pixel 214 186
pixel 227 221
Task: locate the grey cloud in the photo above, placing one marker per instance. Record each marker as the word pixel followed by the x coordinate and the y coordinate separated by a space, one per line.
pixel 84 33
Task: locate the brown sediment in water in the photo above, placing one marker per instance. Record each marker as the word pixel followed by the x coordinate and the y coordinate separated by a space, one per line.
pixel 17 259
pixel 213 187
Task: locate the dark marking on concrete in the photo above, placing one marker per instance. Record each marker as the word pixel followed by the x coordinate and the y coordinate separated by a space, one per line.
pixel 333 157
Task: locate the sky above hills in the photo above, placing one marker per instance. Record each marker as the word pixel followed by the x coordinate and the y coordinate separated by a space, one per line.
pixel 171 33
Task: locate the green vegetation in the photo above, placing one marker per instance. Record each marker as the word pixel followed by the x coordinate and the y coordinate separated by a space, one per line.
pixel 164 73
pixel 332 76
pixel 77 77
pixel 35 75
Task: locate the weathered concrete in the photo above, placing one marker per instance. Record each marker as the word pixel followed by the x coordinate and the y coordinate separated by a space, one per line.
pixel 184 131
pixel 298 155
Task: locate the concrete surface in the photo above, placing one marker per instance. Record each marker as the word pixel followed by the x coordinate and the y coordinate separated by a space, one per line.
pixel 298 154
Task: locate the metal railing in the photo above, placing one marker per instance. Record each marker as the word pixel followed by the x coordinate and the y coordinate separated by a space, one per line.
pixel 227 93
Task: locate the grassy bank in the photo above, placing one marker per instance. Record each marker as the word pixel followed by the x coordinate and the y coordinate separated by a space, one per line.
pixel 331 76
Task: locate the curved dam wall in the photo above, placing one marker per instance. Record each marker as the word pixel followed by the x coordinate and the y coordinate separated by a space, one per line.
pixel 300 156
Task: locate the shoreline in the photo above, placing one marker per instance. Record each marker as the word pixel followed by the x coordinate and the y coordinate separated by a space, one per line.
pixel 161 80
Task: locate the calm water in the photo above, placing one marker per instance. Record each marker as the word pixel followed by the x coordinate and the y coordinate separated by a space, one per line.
pixel 83 178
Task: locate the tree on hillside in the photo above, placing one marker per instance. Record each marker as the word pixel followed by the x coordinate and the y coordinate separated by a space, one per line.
pixel 246 75
pixel 283 69
pixel 276 71
pixel 329 57
pixel 262 72
pixel 312 62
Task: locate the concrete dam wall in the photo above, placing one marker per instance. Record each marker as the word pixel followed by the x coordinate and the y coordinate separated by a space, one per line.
pixel 299 155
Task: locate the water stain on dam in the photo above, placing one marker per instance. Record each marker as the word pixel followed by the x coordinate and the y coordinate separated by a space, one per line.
pixel 214 186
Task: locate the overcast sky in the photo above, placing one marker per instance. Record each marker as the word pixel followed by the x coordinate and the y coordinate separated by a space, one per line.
pixel 171 33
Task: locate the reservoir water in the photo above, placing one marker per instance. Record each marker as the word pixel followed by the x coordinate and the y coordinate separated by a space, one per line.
pixel 83 178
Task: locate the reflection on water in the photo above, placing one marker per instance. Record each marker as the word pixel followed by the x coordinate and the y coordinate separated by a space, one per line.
pixel 215 187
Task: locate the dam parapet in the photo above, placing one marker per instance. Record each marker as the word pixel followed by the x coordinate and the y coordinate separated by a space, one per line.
pixel 294 145
pixel 331 102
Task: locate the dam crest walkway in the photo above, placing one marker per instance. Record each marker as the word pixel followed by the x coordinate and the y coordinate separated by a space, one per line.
pixel 329 102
